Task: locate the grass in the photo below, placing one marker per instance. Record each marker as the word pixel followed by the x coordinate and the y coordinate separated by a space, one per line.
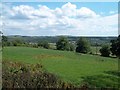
pixel 68 66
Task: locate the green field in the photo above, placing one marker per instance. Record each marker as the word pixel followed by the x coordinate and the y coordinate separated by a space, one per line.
pixel 68 66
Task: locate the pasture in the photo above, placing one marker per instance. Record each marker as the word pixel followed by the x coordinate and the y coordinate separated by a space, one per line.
pixel 69 66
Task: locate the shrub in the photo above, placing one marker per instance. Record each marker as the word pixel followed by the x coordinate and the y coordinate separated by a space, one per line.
pixel 18 75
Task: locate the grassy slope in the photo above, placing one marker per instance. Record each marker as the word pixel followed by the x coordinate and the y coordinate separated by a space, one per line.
pixel 69 66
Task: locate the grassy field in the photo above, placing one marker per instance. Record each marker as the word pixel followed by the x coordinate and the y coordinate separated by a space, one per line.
pixel 68 66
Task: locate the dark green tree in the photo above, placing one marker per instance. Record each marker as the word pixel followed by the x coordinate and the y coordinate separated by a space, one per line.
pixel 71 47
pixel 115 47
pixel 105 51
pixel 83 46
pixel 62 44
pixel 41 43
pixel 44 44
pixel 17 42
pixel 4 40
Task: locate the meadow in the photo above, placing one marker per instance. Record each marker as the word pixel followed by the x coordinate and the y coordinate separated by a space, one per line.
pixel 72 67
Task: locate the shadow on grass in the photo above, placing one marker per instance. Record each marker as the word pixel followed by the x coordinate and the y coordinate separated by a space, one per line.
pixel 107 81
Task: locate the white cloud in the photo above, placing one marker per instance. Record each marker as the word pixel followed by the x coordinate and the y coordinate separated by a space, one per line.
pixel 86 12
pixel 67 20
pixel 113 12
pixel 23 10
pixel 69 9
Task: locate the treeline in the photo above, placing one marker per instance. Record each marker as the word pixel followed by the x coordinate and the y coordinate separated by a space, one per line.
pixel 81 45
pixel 54 39
pixel 113 48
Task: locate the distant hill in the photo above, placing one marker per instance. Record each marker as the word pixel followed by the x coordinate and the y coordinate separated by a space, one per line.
pixel 53 39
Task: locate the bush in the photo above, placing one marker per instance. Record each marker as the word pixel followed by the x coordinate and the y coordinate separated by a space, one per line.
pixel 18 75
pixel 105 51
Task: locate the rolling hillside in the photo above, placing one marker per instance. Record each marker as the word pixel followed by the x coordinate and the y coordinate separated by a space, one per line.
pixel 68 66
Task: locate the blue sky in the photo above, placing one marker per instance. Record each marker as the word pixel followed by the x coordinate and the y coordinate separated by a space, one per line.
pixel 60 18
pixel 98 7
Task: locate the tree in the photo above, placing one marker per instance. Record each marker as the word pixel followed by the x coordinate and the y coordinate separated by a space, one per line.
pixel 44 44
pixel 17 42
pixel 105 51
pixel 71 47
pixel 115 47
pixel 40 43
pixel 82 46
pixel 62 44
pixel 4 41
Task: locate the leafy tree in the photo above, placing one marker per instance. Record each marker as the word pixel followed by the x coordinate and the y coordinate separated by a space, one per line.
pixel 4 41
pixel 17 42
pixel 71 47
pixel 40 43
pixel 82 46
pixel 105 51
pixel 62 44
pixel 44 44
pixel 115 47
pixel 14 43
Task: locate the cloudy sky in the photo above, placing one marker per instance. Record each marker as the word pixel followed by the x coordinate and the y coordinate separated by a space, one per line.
pixel 60 18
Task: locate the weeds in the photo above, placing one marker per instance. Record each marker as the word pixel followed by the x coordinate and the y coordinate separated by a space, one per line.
pixel 17 75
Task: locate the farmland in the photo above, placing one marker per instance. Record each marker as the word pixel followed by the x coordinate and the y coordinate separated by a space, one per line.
pixel 72 67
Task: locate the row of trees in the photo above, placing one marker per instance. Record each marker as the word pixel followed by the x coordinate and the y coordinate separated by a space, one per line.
pixel 114 48
pixel 83 46
pixel 16 42
pixel 61 44
pixel 19 42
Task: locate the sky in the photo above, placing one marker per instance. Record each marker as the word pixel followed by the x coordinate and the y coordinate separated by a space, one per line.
pixel 59 18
